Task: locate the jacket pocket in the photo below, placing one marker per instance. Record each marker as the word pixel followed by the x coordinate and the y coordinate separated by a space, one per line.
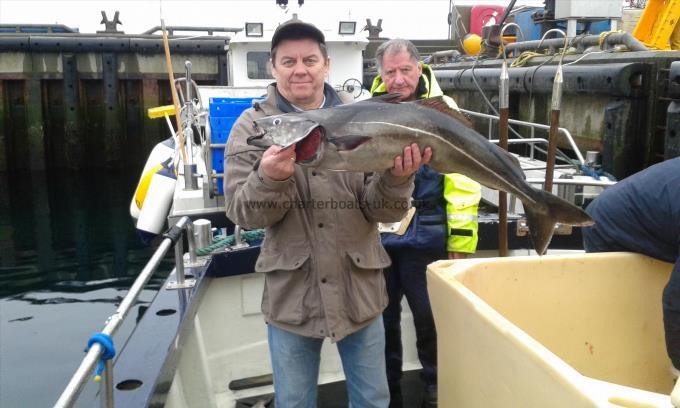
pixel 281 260
pixel 287 284
pixel 366 283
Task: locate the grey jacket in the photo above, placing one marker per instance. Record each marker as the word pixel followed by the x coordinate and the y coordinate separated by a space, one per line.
pixel 321 253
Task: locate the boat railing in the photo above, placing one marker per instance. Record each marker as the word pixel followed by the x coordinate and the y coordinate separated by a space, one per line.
pixel 532 140
pixel 174 236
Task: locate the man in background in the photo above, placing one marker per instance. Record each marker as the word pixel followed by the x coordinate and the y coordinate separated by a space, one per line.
pixel 444 220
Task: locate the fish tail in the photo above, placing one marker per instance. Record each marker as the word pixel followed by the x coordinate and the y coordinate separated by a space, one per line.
pixel 548 210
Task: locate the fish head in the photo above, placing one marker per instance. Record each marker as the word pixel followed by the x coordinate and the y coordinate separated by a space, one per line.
pixel 282 130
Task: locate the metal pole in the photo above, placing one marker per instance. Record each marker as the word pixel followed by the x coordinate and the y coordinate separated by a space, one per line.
pixel 188 118
pixel 504 114
pixel 75 385
pixel 187 69
pixel 107 385
pixel 179 262
pixel 191 239
pixel 554 126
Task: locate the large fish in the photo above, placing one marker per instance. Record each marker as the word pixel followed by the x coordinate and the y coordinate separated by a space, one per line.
pixel 367 135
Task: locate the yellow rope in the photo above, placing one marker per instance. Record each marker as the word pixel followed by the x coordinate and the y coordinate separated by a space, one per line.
pixel 524 58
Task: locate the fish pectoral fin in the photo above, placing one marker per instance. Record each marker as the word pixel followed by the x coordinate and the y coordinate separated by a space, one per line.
pixel 349 142
pixel 445 105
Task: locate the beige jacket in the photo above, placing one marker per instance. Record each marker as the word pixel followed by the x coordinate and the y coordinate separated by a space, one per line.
pixel 321 253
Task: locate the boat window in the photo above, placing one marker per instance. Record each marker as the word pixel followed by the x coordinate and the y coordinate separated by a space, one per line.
pixel 258 65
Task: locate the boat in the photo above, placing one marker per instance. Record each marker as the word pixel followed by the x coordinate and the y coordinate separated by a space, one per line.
pixel 202 341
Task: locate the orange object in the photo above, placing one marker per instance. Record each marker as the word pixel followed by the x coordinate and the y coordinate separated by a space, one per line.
pixel 472 43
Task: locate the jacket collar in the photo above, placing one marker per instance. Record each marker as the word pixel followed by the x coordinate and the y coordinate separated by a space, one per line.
pixel 332 99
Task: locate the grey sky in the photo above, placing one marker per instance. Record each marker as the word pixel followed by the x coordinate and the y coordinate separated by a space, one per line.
pixel 415 19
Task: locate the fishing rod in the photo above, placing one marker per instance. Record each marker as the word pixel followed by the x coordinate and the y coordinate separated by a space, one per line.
pixel 173 91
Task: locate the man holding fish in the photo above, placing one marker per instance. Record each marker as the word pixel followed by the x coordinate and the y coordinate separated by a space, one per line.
pixel 323 265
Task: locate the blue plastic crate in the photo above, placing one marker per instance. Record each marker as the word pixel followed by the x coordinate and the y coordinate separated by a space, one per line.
pixel 223 115
pixel 229 106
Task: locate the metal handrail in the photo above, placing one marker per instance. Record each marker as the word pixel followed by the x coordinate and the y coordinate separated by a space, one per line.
pixel 210 30
pixel 80 378
pixel 577 182
pixel 532 126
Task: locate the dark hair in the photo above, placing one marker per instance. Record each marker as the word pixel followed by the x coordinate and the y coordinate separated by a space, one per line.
pixel 394 46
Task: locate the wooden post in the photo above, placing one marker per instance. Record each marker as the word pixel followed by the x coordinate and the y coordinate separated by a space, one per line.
pixel 35 133
pixel 74 148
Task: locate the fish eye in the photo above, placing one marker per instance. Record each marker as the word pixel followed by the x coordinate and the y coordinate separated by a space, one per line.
pixel 277 121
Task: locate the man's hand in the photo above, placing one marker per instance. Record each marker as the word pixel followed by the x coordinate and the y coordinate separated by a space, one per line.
pixel 410 161
pixel 277 163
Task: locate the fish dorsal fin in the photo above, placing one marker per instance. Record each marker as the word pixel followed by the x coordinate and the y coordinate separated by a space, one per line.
pixel 386 98
pixel 445 105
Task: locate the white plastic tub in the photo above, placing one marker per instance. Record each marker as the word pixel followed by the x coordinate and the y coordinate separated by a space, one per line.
pixel 553 331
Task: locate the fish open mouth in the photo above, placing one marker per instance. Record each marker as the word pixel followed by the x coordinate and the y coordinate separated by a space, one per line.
pixel 308 149
pixel 258 138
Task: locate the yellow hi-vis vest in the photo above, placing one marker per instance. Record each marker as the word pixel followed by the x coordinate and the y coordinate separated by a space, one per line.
pixel 462 196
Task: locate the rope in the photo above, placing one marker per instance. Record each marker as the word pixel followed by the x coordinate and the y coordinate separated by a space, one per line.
pixel 596 173
pixel 247 236
pixel 108 351
pixel 524 58
pixel 604 35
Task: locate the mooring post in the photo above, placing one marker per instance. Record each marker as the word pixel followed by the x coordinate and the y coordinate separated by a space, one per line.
pixel 73 147
pixel 35 133
pixel 112 119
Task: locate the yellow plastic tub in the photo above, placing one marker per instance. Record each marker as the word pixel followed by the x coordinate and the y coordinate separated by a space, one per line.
pixel 553 331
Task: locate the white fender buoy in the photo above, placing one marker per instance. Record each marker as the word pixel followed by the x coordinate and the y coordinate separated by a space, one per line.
pixel 156 200
pixel 160 153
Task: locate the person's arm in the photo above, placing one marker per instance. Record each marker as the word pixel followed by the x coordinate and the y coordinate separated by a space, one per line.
pixel 252 197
